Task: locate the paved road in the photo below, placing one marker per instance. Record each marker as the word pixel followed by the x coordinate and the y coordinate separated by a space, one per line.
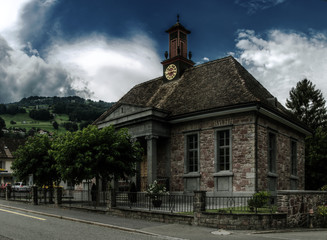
pixel 72 224
pixel 21 225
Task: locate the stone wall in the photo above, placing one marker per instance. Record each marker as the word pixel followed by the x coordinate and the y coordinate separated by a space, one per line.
pixel 242 133
pixel 243 152
pixel 152 216
pixel 214 220
pixel 283 176
pixel 242 221
pixel 297 205
pixel 243 172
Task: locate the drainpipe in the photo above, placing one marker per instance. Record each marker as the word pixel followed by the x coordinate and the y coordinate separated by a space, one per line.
pixel 256 147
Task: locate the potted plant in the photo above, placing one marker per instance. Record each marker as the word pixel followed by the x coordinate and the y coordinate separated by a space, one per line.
pixel 155 191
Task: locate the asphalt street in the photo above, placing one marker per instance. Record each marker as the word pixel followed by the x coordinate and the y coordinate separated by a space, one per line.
pixel 96 225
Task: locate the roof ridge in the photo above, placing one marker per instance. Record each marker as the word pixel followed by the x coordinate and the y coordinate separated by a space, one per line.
pixel 243 80
pixel 227 58
pixel 148 81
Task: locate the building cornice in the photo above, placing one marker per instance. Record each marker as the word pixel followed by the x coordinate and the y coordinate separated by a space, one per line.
pixel 242 109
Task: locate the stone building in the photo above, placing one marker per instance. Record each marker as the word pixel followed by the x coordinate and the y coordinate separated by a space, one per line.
pixel 210 127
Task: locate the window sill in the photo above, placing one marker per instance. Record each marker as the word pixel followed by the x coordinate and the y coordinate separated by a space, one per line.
pixel 273 175
pixel 192 175
pixel 223 174
pixel 293 177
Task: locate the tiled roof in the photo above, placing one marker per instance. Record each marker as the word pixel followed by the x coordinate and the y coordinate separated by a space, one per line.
pixel 217 84
pixel 8 146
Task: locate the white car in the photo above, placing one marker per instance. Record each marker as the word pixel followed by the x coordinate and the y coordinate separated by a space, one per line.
pixel 20 187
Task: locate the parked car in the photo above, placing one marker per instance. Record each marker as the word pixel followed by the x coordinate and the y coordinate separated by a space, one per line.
pixel 20 187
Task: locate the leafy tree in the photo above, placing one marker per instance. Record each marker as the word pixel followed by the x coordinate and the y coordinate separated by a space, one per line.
pixel 70 126
pixel 55 125
pixel 3 109
pixel 308 104
pixel 93 153
pixel 34 158
pixel 13 109
pixel 84 124
pixel 316 160
pixel 41 115
pixel 2 125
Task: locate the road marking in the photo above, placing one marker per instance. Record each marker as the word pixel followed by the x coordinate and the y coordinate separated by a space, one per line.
pixel 21 214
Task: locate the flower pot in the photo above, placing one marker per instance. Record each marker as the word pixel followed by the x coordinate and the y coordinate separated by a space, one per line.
pixel 157 202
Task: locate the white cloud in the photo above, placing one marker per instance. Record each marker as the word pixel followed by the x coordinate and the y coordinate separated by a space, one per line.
pixel 109 66
pixel 95 66
pixel 282 59
pixel 258 5
pixel 22 76
pixel 25 73
pixel 10 11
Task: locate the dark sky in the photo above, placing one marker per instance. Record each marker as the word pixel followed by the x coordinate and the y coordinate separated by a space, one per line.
pixel 102 48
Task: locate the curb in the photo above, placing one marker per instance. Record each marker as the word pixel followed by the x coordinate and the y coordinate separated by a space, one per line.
pixel 290 230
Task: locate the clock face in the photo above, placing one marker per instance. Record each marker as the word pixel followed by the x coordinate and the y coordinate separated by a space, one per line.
pixel 171 71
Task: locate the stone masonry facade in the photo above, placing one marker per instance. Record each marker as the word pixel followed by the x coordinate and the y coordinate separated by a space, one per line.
pixel 297 205
pixel 283 175
pixel 243 166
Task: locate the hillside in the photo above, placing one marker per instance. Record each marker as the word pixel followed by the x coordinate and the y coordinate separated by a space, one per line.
pixel 43 113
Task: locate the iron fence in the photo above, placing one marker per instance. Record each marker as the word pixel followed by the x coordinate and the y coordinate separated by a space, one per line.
pixel 25 196
pixel 2 193
pixel 238 204
pixel 45 195
pixel 84 198
pixel 169 203
pixel 174 203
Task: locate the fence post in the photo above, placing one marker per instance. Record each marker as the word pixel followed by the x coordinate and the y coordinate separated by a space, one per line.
pixel 111 198
pixel 199 205
pixel 58 195
pixel 8 192
pixel 282 202
pixel 35 195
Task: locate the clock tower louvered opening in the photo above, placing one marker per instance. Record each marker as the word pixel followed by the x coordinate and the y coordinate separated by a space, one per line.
pixel 176 59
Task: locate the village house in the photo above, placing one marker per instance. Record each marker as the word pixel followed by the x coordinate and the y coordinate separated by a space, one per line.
pixel 7 147
pixel 210 127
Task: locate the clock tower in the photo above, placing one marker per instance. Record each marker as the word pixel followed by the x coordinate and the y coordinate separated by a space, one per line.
pixel 176 60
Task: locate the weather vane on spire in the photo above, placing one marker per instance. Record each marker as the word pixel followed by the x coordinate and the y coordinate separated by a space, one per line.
pixel 177 18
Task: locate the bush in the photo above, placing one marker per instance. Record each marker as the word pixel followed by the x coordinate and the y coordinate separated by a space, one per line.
pixel 322 210
pixel 322 214
pixel 258 200
pixel 324 188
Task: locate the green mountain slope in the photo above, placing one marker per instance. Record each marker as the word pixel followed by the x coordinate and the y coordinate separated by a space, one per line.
pixel 65 111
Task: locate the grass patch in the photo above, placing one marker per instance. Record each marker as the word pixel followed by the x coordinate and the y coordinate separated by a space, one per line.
pixel 244 210
pixel 24 121
pixel 238 210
